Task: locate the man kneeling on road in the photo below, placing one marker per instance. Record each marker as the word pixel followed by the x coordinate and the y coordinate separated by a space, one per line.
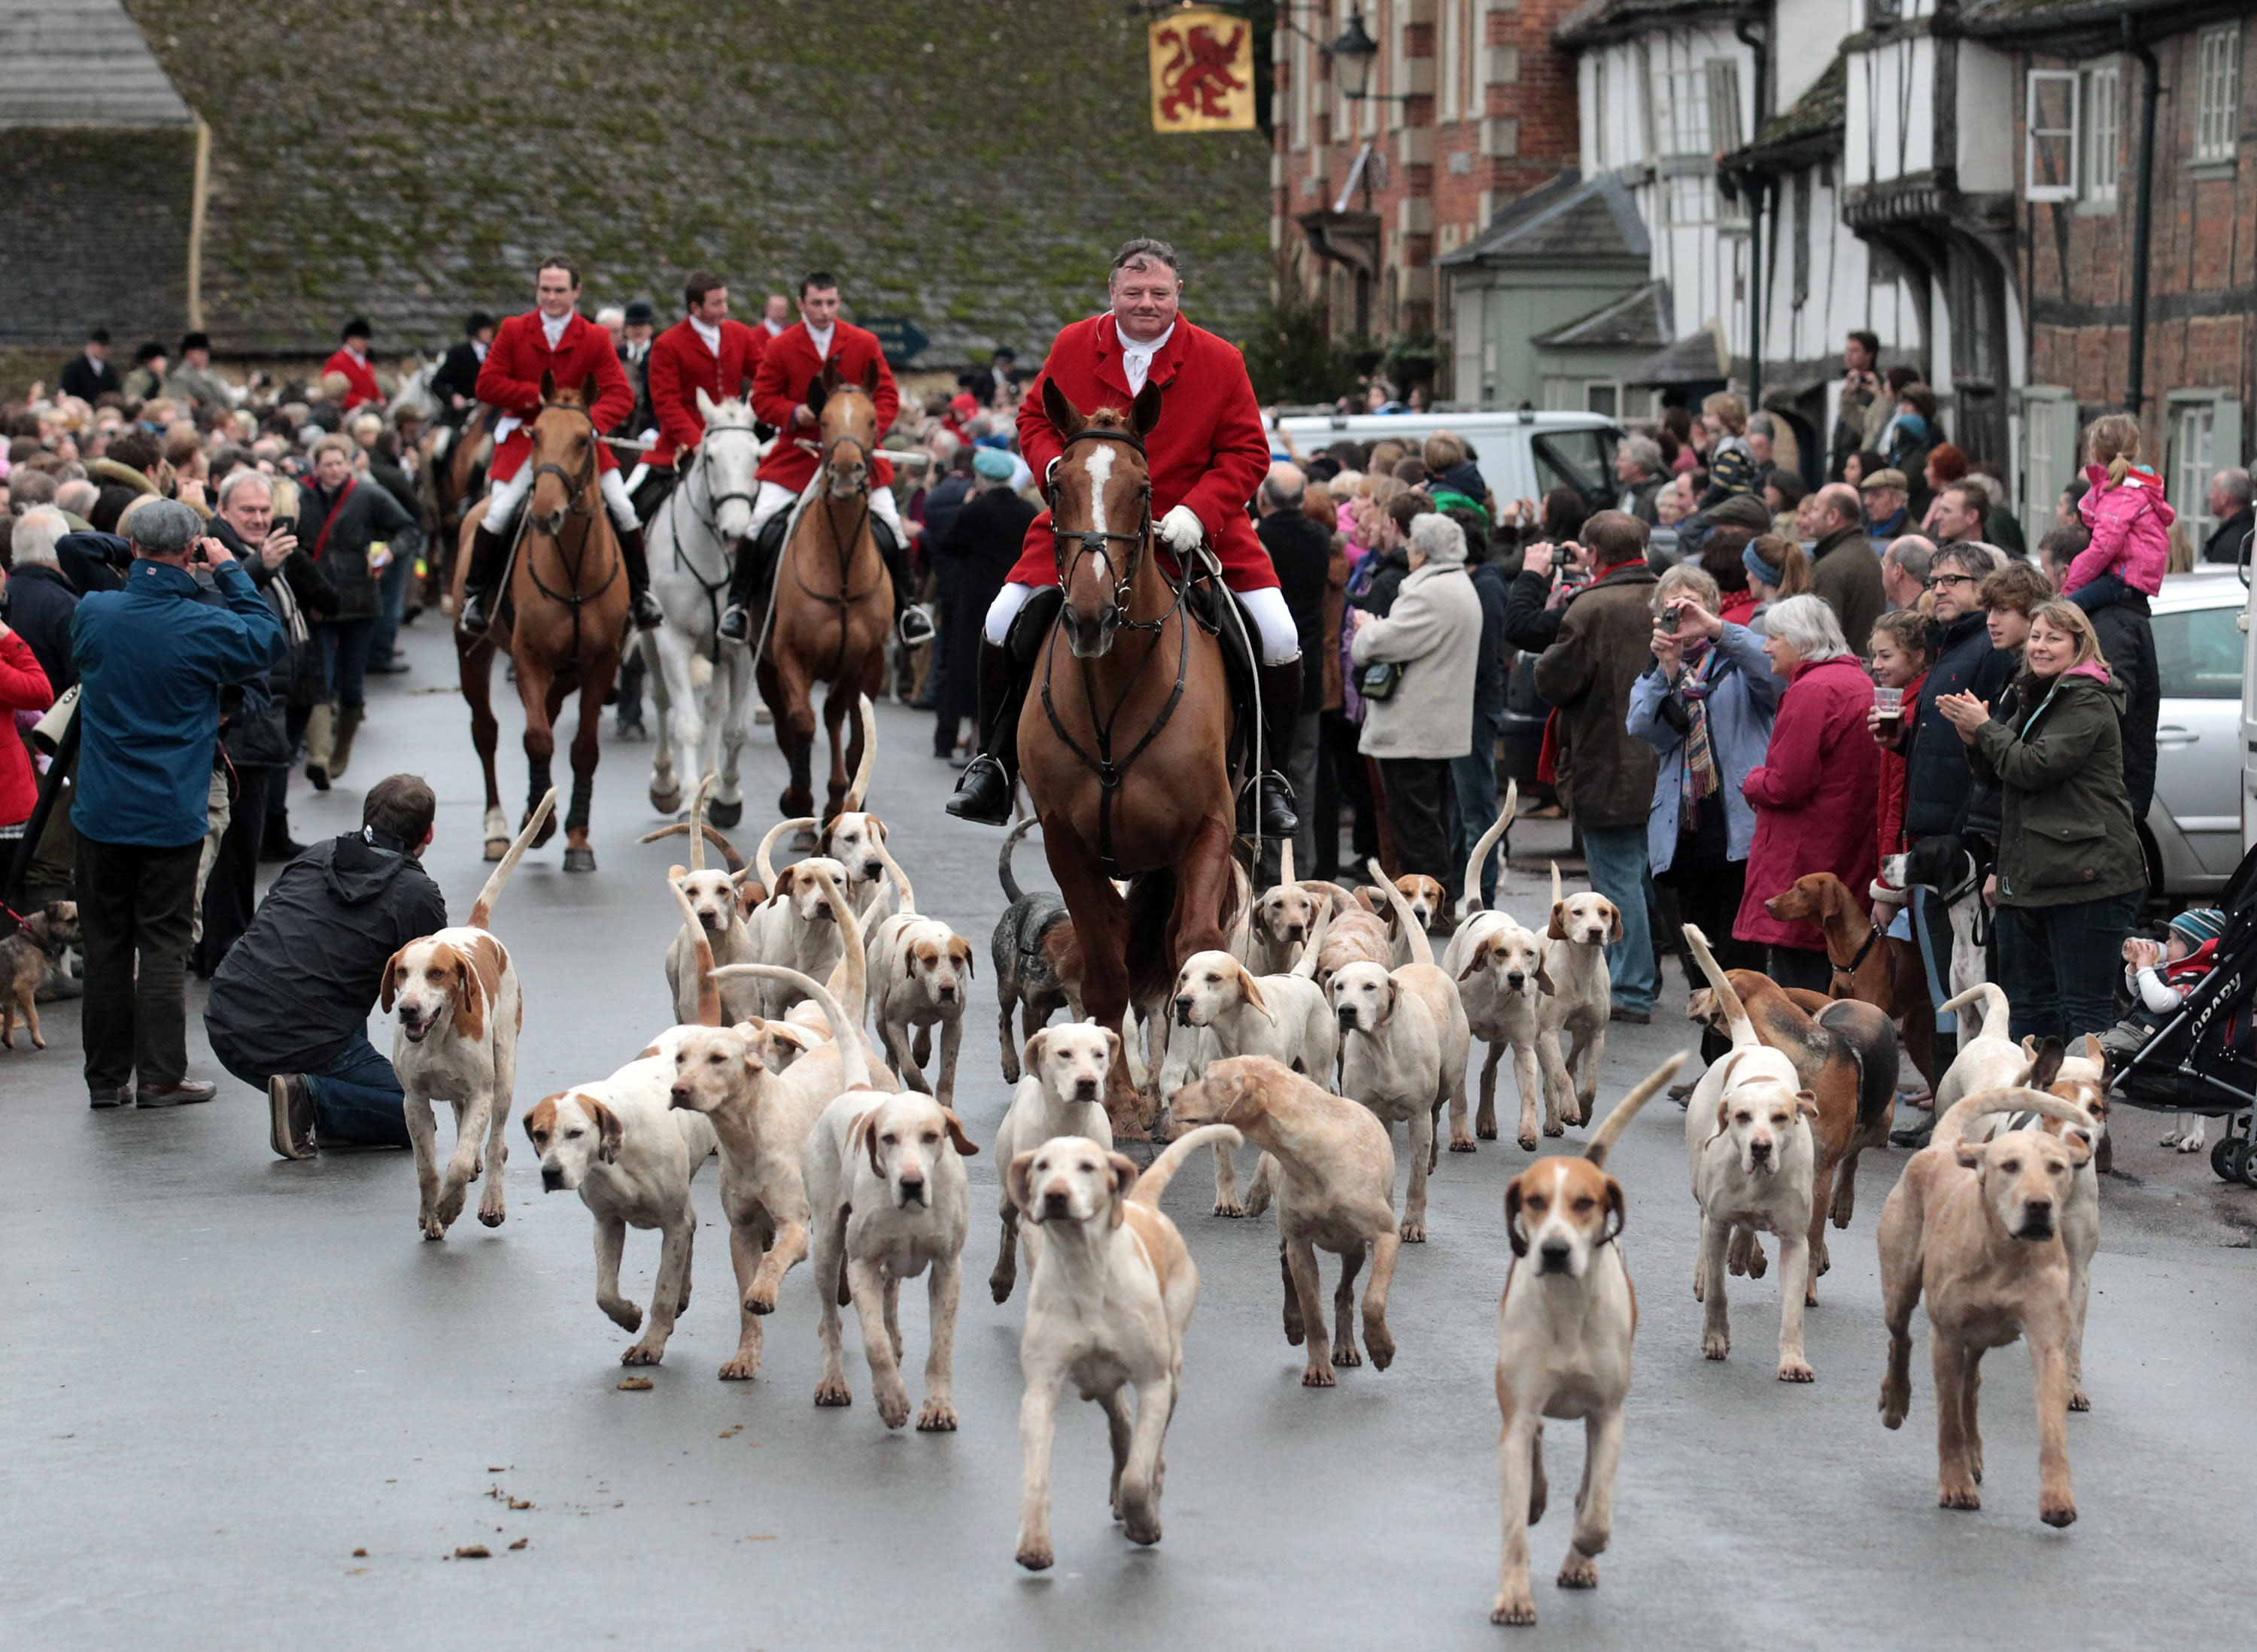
pixel 289 1007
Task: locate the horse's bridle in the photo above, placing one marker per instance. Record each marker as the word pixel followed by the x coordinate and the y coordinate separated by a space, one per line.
pixel 576 487
pixel 573 486
pixel 1092 541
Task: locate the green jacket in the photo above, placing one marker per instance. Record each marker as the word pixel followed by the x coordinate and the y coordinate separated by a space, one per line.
pixel 2065 819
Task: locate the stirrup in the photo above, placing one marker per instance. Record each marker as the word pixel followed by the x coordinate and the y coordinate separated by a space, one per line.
pixel 915 627
pixel 648 615
pixel 983 793
pixel 736 624
pixel 473 621
pixel 1273 805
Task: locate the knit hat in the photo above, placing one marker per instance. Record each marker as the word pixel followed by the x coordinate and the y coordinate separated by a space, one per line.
pixel 2198 925
pixel 1733 470
pixel 991 462
pixel 1757 569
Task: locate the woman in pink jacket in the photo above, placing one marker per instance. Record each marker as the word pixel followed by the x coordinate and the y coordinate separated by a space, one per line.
pixel 1817 791
pixel 2125 513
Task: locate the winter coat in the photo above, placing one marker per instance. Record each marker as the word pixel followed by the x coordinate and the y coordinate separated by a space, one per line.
pixel 2229 541
pixel 1460 486
pixel 22 688
pixel 330 922
pixel 788 363
pixel 1380 579
pixel 2066 833
pixel 40 603
pixel 1605 775
pixel 2131 527
pixel 680 365
pixel 361 387
pixel 1490 586
pixel 1301 551
pixel 1530 624
pixel 1637 499
pixel 152 661
pixel 1434 630
pixel 1815 796
pixel 1743 699
pixel 1937 778
pixel 509 380
pixel 367 513
pixel 1891 839
pixel 1845 572
pixel 972 556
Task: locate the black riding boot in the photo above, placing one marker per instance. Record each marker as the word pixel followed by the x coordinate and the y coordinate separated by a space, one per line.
pixel 744 585
pixel 983 791
pixel 1281 706
pixel 640 604
pixel 486 553
pixel 911 624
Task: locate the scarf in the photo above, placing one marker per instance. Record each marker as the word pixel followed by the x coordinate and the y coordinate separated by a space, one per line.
pixel 1703 665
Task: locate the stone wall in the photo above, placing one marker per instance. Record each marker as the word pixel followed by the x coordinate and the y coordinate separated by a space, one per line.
pixel 969 164
pixel 98 234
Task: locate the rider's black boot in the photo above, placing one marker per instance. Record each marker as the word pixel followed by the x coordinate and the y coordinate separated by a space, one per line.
pixel 911 623
pixel 486 553
pixel 983 791
pixel 1281 707
pixel 744 581
pixel 640 604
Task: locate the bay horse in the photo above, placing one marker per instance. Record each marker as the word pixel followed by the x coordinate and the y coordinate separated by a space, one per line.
pixel 563 618
pixel 831 603
pixel 1122 751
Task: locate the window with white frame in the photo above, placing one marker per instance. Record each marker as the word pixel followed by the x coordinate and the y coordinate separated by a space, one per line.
pixel 1691 200
pixel 2194 429
pixel 2049 120
pixel 2217 91
pixel 2103 92
pixel 1680 111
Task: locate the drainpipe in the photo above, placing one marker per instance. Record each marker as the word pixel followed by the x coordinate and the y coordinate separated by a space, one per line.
pixel 1756 197
pixel 2143 213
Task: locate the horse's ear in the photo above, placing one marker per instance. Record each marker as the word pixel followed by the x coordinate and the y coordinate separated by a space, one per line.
pixel 831 376
pixel 870 380
pixel 1064 417
pixel 705 405
pixel 548 385
pixel 1145 412
pixel 818 393
pixel 589 390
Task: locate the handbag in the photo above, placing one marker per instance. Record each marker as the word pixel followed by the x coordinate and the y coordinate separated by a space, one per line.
pixel 1377 679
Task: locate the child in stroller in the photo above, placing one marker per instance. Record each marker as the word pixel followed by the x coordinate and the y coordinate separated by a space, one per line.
pixel 2159 975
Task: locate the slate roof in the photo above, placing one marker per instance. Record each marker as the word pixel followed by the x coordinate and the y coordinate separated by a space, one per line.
pixel 2080 28
pixel 1566 218
pixel 80 63
pixel 1811 126
pixel 1640 318
pixel 1597 20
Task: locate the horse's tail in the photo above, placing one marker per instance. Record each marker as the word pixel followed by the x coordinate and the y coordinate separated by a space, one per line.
pixel 1012 893
pixel 482 909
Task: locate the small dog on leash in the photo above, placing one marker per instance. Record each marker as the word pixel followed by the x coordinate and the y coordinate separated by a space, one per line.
pixel 26 957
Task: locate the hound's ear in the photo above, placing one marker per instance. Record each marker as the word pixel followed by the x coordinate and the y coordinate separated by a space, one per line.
pixel 965 1144
pixel 870 379
pixel 1124 1177
pixel 1805 1103
pixel 1252 989
pixel 676 874
pixel 470 1000
pixel 1030 1053
pixel 391 967
pixel 1145 412
pixel 1835 896
pixel 1558 931
pixel 751 896
pixel 548 385
pixel 1019 1179
pixel 1064 417
pixel 1544 983
pixel 542 1117
pixel 784 881
pixel 863 1134
pixel 1616 1210
pixel 2080 1150
pixel 2090 1047
pixel 2030 1048
pixel 1480 962
pixel 2048 1060
pixel 609 1132
pixel 1394 997
pixel 1114 1045
pixel 1363 899
pixel 960 950
pixel 1970 1152
pixel 1512 1217
pixel 1614 924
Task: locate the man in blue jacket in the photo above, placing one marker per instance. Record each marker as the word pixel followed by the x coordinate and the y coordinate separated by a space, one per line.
pixel 152 661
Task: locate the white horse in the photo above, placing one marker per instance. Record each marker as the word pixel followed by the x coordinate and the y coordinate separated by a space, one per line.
pixel 701 725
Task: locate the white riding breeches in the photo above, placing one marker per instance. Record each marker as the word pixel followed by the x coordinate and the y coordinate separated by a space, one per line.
pixel 774 497
pixel 503 502
pixel 1281 638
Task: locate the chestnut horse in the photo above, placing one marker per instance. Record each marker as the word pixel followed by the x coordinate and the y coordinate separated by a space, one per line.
pixel 831 602
pixel 563 618
pixel 1122 750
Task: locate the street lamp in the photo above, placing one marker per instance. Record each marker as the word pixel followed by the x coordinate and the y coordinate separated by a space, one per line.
pixel 1353 56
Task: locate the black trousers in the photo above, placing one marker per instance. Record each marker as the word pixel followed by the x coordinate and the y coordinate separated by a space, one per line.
pixel 232 891
pixel 1799 966
pixel 1416 788
pixel 136 911
pixel 1707 896
pixel 1341 777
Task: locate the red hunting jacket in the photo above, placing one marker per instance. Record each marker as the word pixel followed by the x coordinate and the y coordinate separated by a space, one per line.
pixel 1209 451
pixel 360 379
pixel 787 367
pixel 510 380
pixel 681 366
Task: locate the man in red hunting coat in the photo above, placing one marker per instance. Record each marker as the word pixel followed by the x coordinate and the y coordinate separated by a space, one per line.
pixel 704 351
pixel 793 359
pixel 553 338
pixel 1207 455
pixel 350 362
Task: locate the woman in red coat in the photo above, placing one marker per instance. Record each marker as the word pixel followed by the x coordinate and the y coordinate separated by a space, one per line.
pixel 22 688
pixel 1817 789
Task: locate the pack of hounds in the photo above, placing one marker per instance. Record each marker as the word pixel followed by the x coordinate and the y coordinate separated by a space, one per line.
pixel 1326 1024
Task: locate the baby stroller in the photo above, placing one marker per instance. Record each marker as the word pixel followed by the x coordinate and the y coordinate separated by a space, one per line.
pixel 2200 1060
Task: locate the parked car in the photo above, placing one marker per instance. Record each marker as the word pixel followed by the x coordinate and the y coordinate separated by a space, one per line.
pixel 2200 647
pixel 1522 455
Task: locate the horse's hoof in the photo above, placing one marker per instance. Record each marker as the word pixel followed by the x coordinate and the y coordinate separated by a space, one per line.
pixel 497 847
pixel 724 814
pixel 548 828
pixel 665 801
pixel 579 860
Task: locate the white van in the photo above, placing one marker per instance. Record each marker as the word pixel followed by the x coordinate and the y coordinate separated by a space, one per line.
pixel 1522 455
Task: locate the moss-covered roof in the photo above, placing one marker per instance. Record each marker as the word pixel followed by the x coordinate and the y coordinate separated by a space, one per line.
pixel 970 164
pixel 1807 128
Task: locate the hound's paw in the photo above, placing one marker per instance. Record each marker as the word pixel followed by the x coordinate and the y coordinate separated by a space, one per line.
pixel 1959 1494
pixel 1463 1144
pixel 743 1368
pixel 1316 1376
pixel 2078 1401
pixel 760 1301
pixel 1294 1331
pixel 937 1418
pixel 2189 1143
pixel 1578 1570
pixel 622 1313
pixel 1486 1131
pixel 1035 1555
pixel 642 1354
pixel 893 1405
pixel 830 1393
pixel 1144 1526
pixel 1230 1208
pixel 1412 1233
pixel 1518 1607
pixel 1796 1370
pixel 1896 1399
pixel 1257 1201
pixel 432 1226
pixel 1715 1347
pixel 451 1205
pixel 1346 1354
pixel 1758 1264
pixel 998 1286
pixel 2062 1512
pixel 492 1216
pixel 1552 1128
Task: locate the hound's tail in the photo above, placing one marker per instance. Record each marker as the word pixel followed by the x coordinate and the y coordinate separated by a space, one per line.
pixel 904 892
pixel 760 855
pixel 1163 1170
pixel 1735 1013
pixel 482 909
pixel 1603 1139
pixel 1469 897
pixel 709 993
pixel 853 962
pixel 1996 1013
pixel 1952 1127
pixel 1306 966
pixel 1012 893
pixel 699 832
pixel 853 1060
pixel 867 768
pixel 1415 937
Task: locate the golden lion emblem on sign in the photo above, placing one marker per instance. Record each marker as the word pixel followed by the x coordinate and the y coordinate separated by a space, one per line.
pixel 1197 77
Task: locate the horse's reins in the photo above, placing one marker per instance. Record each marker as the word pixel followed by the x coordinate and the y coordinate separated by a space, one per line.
pixel 1091 543
pixel 844 545
pixel 575 487
pixel 710 521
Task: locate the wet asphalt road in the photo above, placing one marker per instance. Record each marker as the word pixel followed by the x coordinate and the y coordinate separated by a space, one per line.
pixel 225 1375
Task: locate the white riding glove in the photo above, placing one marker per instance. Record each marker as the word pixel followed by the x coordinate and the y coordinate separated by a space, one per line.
pixel 1183 530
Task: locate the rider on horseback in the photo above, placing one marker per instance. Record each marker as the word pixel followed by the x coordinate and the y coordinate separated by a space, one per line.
pixel 704 351
pixel 553 338
pixel 795 359
pixel 1208 456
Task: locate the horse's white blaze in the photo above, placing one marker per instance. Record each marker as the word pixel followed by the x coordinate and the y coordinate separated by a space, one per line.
pixel 1100 467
